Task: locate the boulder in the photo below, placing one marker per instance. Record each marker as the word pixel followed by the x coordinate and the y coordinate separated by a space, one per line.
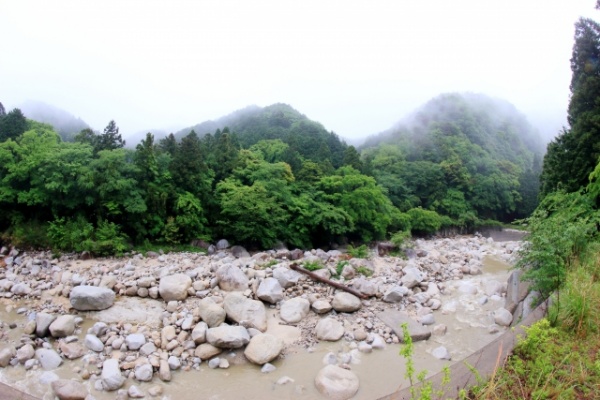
pixel 337 383
pixel 412 277
pixel 93 343
pixel 5 355
pixel 26 352
pixel 365 286
pixel 143 372
pixel 231 278
pixel 135 341
pixel 67 389
pixel 222 244
pixel 395 294
pixel 239 252
pixel 21 289
pixel 329 329
pixel 49 359
pixel 211 313
pixel 263 348
pixel 246 311
pixel 71 351
pixel 206 351
pixel 111 376
pixel 62 326
pixel 345 302
pixel 270 291
pixel 321 306
pixel 42 324
pixel 174 287
pixel 294 310
pixel 503 317
pixel 286 277
pixel 228 337
pixel 441 353
pixel 91 298
pixel 199 332
pixel 516 290
pixel 394 319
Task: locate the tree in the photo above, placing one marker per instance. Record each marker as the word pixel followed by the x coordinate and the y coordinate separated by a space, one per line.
pixel 2 111
pixel 110 139
pixel 12 125
pixel 572 156
pixel 168 144
pixel 352 158
pixel 87 136
pixel 189 170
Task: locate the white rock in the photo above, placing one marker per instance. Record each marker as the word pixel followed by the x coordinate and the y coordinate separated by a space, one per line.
pixel 241 309
pixel 67 389
pixel 329 329
pixel 503 317
pixel 62 326
pixel 174 287
pixel 199 332
pixel 263 348
pixel 345 302
pixel 270 291
pixel 321 306
pixel 143 372
pixel 111 377
pixel 91 298
pixel 134 341
pixel 49 359
pixel 337 383
pixel 412 277
pixel 441 353
pixel 294 310
pixel 395 294
pixel 93 343
pixel 211 313
pixel 286 277
pixel 231 278
pixel 228 337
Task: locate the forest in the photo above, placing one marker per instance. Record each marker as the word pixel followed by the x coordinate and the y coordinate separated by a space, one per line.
pixel 266 176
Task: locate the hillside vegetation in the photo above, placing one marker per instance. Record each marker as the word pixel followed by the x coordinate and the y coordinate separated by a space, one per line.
pixel 266 175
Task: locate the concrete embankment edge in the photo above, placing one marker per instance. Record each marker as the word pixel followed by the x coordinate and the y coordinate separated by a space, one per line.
pixel 484 362
pixel 7 392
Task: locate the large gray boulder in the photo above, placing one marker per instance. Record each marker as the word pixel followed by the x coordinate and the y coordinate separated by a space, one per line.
pixel 228 337
pixel 174 287
pixel 91 298
pixel 232 279
pixel 412 277
pixel 42 324
pixel 337 383
pixel 286 277
pixel 329 329
pixel 199 332
pixel 365 286
pixel 294 310
pixel 394 319
pixel 263 348
pixel 245 311
pixel 270 291
pixel 516 290
pixel 503 317
pixel 111 377
pixel 345 302
pixel 395 294
pixel 211 313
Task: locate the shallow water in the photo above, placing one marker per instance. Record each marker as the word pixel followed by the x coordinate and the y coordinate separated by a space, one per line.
pixel 380 372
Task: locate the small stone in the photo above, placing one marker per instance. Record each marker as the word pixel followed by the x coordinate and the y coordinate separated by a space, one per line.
pixel 267 368
pixel 143 373
pixel 67 389
pixel 134 392
pixel 346 302
pixel 441 353
pixel 93 343
pixel 337 383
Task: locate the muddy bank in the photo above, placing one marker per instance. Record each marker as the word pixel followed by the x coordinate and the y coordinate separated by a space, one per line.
pixel 452 287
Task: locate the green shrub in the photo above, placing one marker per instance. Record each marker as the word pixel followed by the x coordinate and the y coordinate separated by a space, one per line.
pixel 424 222
pixel 340 267
pixel 312 265
pixel 361 251
pixel 400 238
pixel 109 239
pixel 71 235
pixel 364 271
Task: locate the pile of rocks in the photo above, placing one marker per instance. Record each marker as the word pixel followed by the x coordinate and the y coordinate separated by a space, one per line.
pixel 196 306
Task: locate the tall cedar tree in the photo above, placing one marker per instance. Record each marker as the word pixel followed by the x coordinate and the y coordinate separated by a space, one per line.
pixel 111 138
pixel 572 156
pixel 12 125
pixel 189 170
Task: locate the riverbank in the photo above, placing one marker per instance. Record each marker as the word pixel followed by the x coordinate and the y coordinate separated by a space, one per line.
pixel 450 287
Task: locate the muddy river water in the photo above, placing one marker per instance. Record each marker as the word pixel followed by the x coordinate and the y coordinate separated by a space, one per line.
pixel 467 315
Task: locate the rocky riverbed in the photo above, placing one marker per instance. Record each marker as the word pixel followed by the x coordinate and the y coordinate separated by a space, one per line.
pixel 234 325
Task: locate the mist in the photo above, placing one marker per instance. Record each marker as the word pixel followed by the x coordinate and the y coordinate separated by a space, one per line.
pixel 357 68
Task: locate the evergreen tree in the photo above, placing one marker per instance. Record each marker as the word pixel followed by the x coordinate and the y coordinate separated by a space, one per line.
pixel 12 125
pixel 168 144
pixel 111 138
pixel 572 156
pixel 189 170
pixel 2 111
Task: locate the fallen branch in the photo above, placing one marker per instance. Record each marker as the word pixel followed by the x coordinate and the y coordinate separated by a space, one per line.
pixel 336 285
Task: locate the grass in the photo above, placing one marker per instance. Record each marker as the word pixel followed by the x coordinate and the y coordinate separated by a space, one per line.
pixel 312 265
pixel 560 361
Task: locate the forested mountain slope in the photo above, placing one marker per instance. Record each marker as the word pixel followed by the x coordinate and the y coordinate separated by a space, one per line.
pixel 466 156
pixel 309 139
pixel 63 122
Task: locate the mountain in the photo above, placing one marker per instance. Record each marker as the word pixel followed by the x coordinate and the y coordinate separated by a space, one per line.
pixel 278 121
pixel 464 155
pixel 65 123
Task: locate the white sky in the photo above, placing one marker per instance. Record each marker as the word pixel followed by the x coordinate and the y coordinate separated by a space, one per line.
pixel 355 66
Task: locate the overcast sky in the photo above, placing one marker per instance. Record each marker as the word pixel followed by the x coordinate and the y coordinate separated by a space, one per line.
pixel 355 66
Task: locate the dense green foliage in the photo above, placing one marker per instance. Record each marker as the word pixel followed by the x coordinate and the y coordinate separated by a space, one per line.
pixel 464 156
pixel 272 176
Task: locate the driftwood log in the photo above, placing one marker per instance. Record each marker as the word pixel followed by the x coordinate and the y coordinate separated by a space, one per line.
pixel 329 282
